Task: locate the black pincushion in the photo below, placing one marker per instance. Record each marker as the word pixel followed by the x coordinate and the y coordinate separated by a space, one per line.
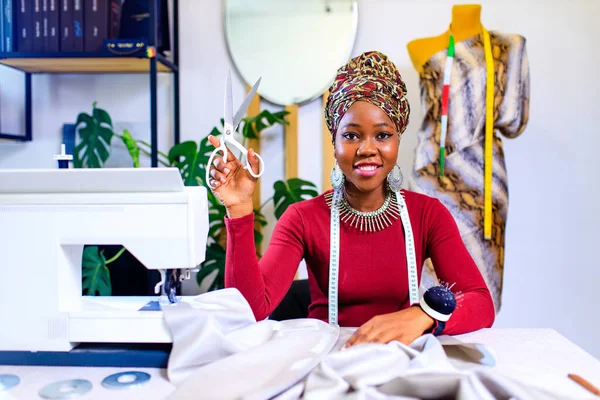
pixel 440 299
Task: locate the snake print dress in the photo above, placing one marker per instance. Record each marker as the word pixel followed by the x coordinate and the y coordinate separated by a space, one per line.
pixel 461 187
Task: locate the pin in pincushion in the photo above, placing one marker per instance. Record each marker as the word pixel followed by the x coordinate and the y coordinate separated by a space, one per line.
pixel 438 302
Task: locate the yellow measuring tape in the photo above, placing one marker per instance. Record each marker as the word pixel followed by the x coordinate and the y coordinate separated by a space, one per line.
pixel 489 136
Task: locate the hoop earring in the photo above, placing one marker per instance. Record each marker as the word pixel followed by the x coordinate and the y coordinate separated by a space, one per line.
pixel 336 176
pixel 395 179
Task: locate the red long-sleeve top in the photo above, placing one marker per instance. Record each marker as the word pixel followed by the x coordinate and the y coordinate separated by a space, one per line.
pixel 373 277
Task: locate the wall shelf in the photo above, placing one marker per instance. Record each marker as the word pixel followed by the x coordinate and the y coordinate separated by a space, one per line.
pixel 146 62
pixel 84 63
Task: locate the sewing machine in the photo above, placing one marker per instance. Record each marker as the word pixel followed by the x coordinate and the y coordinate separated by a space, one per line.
pixel 47 216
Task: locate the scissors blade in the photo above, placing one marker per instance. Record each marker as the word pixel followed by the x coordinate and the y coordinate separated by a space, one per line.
pixel 237 118
pixel 228 114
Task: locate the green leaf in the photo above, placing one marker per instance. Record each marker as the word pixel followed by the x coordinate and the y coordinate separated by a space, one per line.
pixel 249 132
pixel 261 220
pixel 95 136
pixel 253 126
pixel 278 117
pixel 132 147
pixel 192 160
pixel 260 126
pixel 206 149
pixel 101 116
pixel 216 216
pixel 291 191
pixel 95 275
pixel 215 259
pixel 185 157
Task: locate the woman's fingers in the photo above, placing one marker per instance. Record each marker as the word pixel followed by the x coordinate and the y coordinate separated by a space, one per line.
pixel 213 140
pixel 359 336
pixel 218 175
pixel 221 166
pixel 253 161
pixel 231 158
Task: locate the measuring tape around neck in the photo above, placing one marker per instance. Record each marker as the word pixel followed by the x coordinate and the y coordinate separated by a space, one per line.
pixel 334 257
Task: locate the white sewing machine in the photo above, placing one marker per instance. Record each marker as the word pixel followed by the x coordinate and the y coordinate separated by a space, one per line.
pixel 46 216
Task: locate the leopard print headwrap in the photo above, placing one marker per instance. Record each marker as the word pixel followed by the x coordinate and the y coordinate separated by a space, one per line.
pixel 373 78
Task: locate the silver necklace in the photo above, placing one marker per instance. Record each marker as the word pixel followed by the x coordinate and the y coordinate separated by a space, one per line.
pixel 335 200
pixel 369 221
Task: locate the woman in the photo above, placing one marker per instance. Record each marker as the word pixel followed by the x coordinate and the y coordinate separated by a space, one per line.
pixel 367 112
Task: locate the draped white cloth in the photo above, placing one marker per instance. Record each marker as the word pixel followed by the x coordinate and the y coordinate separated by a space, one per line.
pixel 221 352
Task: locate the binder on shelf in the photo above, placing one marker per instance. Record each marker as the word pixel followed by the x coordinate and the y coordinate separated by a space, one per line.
pixel 38 30
pixel 66 26
pixel 78 25
pixel 95 24
pixel 24 24
pixel 51 31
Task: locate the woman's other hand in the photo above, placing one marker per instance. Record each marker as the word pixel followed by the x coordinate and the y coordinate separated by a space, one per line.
pixel 404 326
pixel 232 184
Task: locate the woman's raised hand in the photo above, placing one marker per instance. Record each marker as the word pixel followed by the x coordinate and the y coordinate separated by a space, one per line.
pixel 231 183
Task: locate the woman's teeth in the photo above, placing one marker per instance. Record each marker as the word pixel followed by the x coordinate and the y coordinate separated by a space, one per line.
pixel 367 170
pixel 367 167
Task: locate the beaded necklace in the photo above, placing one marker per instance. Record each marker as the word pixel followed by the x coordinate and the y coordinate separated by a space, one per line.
pixel 394 202
pixel 371 221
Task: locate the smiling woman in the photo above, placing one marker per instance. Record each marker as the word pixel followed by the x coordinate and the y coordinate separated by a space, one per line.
pixel 365 241
pixel 366 150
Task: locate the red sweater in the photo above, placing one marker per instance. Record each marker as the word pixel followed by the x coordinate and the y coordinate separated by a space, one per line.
pixel 373 277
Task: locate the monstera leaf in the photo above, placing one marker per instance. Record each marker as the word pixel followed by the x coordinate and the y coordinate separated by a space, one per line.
pixel 95 137
pixel 132 147
pixel 192 160
pixel 291 191
pixel 216 216
pixel 260 221
pixel 254 125
pixel 215 260
pixel 96 277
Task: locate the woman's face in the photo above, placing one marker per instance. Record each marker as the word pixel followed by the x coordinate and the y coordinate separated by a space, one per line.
pixel 366 146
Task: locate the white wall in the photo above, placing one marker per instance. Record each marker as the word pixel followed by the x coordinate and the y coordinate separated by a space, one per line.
pixel 552 272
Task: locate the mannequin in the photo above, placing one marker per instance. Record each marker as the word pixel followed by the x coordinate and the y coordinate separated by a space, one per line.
pixel 466 22
pixel 457 179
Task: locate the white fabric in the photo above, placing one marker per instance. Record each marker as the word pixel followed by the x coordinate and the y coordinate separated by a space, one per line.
pixel 206 329
pixel 221 352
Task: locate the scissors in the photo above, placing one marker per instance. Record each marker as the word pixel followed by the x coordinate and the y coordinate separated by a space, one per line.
pixel 231 123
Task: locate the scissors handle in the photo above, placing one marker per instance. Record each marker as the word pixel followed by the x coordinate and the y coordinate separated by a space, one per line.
pixel 229 138
pixel 223 148
pixel 214 153
pixel 261 166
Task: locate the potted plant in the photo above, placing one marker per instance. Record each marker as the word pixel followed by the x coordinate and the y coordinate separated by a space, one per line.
pixel 96 133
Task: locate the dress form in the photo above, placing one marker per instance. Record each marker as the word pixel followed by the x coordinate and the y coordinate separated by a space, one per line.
pixel 460 188
pixel 466 22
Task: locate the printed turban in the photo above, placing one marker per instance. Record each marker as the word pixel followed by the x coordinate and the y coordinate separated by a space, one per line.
pixel 369 77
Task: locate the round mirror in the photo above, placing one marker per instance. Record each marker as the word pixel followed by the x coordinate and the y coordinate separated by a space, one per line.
pixel 295 45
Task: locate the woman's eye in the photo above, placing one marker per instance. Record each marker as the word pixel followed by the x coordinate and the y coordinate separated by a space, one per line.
pixel 384 135
pixel 350 136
